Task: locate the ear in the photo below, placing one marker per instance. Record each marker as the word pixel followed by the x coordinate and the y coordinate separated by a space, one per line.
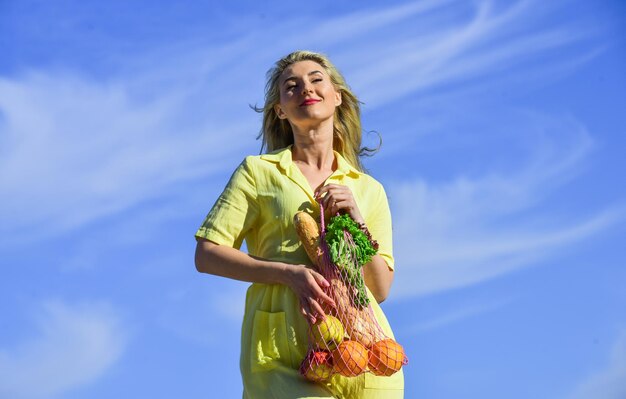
pixel 338 99
pixel 279 112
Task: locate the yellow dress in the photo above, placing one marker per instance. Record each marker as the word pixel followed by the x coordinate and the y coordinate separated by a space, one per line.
pixel 258 205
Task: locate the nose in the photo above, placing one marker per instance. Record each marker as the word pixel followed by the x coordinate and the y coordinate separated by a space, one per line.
pixel 307 88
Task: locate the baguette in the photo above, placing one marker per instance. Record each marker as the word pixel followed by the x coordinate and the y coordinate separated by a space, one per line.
pixel 309 233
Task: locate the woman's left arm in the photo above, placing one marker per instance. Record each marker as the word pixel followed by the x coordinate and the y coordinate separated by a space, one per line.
pixel 377 275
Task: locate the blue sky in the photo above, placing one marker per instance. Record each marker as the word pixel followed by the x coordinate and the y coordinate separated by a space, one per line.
pixel 503 158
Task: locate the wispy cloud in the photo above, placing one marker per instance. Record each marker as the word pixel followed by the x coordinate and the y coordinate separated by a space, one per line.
pixel 343 28
pixel 73 346
pixel 434 55
pixel 609 382
pixel 94 147
pixel 461 232
pixel 77 150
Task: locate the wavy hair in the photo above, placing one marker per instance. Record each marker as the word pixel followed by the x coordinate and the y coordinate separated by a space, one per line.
pixel 276 133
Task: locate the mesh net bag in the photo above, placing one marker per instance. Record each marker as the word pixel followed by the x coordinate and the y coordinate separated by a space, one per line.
pixel 349 341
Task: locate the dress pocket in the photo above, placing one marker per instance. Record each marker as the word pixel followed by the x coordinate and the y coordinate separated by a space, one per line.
pixel 269 343
pixel 392 385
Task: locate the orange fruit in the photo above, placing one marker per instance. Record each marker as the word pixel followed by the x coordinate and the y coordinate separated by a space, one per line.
pixel 386 357
pixel 350 358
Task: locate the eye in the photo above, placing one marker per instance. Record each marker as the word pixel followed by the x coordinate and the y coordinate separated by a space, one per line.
pixel 290 87
pixel 317 80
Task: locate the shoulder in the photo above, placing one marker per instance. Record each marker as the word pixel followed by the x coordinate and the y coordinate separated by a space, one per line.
pixel 369 191
pixel 250 161
pixel 261 167
pixel 270 157
pixel 269 163
pixel 257 164
pixel 369 181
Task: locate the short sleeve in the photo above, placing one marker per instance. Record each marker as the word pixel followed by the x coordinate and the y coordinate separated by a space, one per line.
pixel 379 224
pixel 235 210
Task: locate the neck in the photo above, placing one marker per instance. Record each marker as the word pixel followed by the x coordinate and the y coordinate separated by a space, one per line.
pixel 313 146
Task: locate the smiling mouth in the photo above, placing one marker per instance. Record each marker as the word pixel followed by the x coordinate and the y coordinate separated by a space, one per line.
pixel 309 102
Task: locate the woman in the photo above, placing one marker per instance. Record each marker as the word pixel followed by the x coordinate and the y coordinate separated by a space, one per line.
pixel 312 130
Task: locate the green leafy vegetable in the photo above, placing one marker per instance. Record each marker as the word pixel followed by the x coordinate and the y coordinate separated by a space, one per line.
pixel 350 249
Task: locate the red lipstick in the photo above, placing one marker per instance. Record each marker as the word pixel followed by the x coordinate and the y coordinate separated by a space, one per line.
pixel 309 101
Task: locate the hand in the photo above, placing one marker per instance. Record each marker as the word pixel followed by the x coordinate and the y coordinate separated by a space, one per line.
pixel 307 285
pixel 335 198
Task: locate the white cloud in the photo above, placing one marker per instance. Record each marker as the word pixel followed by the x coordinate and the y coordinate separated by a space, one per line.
pixel 338 30
pixel 610 382
pixel 73 346
pixel 434 55
pixel 462 232
pixel 76 149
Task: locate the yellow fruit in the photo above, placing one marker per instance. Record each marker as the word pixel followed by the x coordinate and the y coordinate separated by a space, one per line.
pixel 317 366
pixel 350 359
pixel 386 357
pixel 327 333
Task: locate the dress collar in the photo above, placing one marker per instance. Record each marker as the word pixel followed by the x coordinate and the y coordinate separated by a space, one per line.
pixel 284 160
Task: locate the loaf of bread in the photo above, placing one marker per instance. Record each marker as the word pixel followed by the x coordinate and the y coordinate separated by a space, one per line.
pixel 309 233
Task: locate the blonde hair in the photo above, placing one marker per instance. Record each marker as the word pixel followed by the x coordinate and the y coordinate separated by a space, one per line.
pixel 276 133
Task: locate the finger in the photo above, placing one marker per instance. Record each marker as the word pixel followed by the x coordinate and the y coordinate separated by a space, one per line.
pixel 329 189
pixel 321 192
pixel 322 282
pixel 330 200
pixel 327 299
pixel 319 279
pixel 334 207
pixel 306 312
pixel 346 205
pixel 333 199
pixel 338 197
pixel 335 189
pixel 321 295
pixel 324 197
pixel 327 214
pixel 317 309
pixel 324 189
pixel 331 186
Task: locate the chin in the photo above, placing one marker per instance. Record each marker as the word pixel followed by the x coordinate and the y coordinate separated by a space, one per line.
pixel 316 117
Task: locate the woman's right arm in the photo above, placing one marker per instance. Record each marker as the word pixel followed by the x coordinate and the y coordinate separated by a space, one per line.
pixel 225 261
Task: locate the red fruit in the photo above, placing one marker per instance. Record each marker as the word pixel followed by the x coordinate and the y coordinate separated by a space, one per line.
pixel 317 366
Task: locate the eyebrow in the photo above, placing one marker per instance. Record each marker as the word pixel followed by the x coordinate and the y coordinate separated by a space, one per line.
pixel 294 78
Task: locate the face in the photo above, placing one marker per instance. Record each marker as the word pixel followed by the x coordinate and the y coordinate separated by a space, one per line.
pixel 307 94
